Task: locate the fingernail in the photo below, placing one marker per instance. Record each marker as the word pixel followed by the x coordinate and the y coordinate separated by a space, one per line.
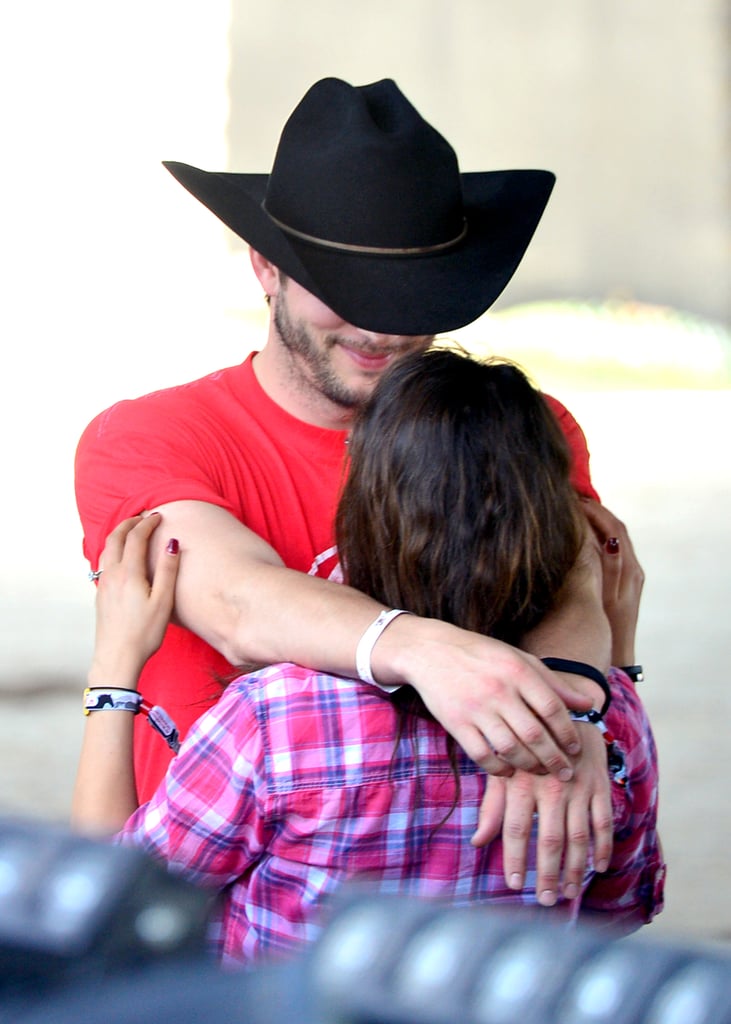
pixel 173 546
pixel 547 898
pixel 571 891
pixel 612 546
pixel 516 881
pixel 566 775
pixel 601 866
pixel 573 749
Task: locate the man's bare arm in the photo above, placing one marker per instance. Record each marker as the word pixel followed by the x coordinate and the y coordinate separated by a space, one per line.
pixel 235 593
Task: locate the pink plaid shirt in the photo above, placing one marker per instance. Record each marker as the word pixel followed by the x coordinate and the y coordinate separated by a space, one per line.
pixel 294 783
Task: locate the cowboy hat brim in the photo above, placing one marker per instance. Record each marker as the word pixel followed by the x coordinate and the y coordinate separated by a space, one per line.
pixel 393 294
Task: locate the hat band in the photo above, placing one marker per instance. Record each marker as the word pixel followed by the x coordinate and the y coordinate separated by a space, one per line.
pixel 374 250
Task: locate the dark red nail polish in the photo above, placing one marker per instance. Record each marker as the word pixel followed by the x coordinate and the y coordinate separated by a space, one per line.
pixel 173 546
pixel 612 546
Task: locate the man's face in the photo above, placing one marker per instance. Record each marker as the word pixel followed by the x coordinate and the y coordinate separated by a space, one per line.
pixel 340 362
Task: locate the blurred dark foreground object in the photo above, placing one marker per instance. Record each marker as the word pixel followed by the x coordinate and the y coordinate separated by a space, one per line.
pixel 73 909
pixel 95 933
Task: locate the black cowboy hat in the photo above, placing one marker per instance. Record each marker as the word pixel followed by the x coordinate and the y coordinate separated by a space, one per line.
pixel 366 208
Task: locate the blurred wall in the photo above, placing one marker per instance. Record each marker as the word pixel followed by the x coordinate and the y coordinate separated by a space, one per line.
pixel 627 102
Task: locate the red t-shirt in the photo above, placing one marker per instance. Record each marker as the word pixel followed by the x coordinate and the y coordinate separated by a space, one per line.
pixel 222 440
pixel 580 475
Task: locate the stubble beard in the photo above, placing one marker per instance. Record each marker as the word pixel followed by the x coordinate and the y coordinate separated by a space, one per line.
pixel 311 367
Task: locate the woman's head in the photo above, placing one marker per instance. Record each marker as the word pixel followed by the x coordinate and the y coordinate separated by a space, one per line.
pixel 458 503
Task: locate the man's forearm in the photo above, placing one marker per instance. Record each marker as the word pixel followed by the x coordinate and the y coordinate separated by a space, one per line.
pixel 577 628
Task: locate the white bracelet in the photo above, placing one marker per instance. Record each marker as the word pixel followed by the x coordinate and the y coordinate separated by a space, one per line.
pixel 367 642
pixel 111 698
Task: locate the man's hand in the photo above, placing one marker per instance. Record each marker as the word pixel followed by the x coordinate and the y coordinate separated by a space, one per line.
pixel 503 706
pixel 573 817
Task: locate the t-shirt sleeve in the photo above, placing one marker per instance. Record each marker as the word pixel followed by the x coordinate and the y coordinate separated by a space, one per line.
pixel 133 457
pixel 580 473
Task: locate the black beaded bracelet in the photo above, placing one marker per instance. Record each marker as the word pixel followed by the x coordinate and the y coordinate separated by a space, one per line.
pixel 635 672
pixel 580 668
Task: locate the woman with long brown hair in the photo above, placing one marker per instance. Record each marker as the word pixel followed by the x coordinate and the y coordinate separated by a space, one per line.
pixel 457 506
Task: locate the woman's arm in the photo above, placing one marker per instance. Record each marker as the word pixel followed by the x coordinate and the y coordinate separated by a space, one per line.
pixel 131 618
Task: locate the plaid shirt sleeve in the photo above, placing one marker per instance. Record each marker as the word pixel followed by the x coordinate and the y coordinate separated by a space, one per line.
pixel 630 893
pixel 207 818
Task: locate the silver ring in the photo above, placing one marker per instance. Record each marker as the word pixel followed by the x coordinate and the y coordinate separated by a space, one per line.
pixel 95 574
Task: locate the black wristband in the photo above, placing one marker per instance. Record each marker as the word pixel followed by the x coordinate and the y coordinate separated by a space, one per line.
pixel 635 672
pixel 580 668
pixel 594 717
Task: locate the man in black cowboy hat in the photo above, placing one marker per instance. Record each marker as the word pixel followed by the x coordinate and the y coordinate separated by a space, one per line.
pixel 367 242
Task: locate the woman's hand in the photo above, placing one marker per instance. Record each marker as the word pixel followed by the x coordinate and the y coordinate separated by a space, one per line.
pixel 132 613
pixel 132 616
pixel 573 818
pixel 622 580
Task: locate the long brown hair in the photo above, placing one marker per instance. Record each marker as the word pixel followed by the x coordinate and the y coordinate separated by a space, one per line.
pixel 458 503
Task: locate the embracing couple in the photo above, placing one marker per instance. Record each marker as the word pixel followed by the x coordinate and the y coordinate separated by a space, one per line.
pixel 350 446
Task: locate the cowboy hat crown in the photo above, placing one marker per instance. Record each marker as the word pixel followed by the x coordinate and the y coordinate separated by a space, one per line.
pixel 366 208
pixel 375 175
